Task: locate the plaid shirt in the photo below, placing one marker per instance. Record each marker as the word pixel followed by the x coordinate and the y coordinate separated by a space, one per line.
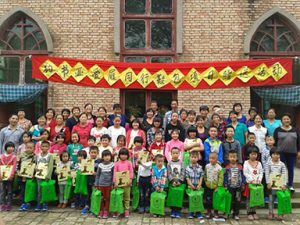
pixel 194 173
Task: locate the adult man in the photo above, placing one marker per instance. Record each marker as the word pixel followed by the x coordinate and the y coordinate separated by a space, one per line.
pixel 168 115
pixel 73 120
pixel 11 133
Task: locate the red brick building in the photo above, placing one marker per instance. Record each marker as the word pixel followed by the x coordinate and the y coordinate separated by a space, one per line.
pixel 144 31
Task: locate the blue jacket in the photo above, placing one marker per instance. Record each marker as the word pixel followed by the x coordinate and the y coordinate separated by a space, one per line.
pixel 213 146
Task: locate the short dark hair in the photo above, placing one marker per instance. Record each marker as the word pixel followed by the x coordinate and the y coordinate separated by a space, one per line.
pixel 51 109
pixel 252 109
pixel 26 133
pixel 192 129
pixel 192 112
pixel 9 144
pixel 94 148
pixel 116 106
pixel 60 135
pixel 175 148
pixel 158 132
pixel 106 153
pixel 45 143
pixel 138 139
pixel 82 153
pixel 274 150
pixel 286 114
pixel 121 136
pixel 87 104
pixel 204 107
pixel 252 149
pixel 212 127
pixel 194 153
pixel 105 136
pixel 91 138
pixel 237 104
pixel 233 112
pixel 232 151
pixel 63 153
pixel 47 131
pixel 158 156
pixel 75 107
pixel 251 133
pixel 104 109
pixel 65 110
pixel 124 151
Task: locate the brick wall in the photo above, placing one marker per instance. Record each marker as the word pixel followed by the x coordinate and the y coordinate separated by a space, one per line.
pixel 213 31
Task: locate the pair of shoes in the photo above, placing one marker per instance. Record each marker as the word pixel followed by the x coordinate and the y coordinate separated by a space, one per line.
pixel 191 215
pixel 147 209
pixel 59 205
pixel 178 214
pixel 44 208
pixel 236 217
pixel 173 213
pixel 85 211
pixel 105 215
pixel 8 207
pixel 37 208
pixel 100 215
pixel 250 217
pixel 270 216
pixel 116 215
pixel 27 206
pixel 22 207
pixel 141 210
pixel 199 216
pixel 126 214
pixel 63 206
pixel 255 216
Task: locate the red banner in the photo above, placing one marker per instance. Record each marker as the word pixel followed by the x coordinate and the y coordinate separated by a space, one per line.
pixel 166 76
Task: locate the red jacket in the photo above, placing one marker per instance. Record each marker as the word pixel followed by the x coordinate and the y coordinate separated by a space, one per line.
pixel 140 133
pixel 154 146
pixel 10 159
pixel 65 130
pixel 83 132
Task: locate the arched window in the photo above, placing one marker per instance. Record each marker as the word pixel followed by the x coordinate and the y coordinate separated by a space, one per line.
pixel 275 37
pixel 20 37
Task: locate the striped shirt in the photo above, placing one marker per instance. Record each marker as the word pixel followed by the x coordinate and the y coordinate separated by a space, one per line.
pixel 275 168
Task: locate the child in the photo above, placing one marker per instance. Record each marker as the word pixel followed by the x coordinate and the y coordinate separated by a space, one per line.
pixel 213 178
pixel 74 147
pixel 250 143
pixel 175 142
pixel 93 154
pixel 26 156
pixel 265 154
pixel 234 181
pixel 43 157
pixel 116 130
pixel 124 165
pixel 144 183
pixel 194 176
pixel 158 146
pixel 134 153
pixel 105 141
pixel 26 137
pixel 6 183
pixel 91 142
pixel 231 144
pixel 192 143
pixel 175 176
pixel 213 144
pixel 99 130
pixel 253 172
pixel 44 136
pixel 275 167
pixel 121 143
pixel 59 145
pixel 104 181
pixel 64 162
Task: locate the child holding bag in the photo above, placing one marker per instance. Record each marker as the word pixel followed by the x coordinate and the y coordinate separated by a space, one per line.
pixel 123 165
pixel 104 181
pixel 253 173
pixel 7 159
pixel 275 169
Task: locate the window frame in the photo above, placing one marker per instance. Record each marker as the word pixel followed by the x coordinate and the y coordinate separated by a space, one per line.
pixel 148 52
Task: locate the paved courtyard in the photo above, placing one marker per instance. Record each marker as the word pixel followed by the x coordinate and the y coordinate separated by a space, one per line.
pixel 69 217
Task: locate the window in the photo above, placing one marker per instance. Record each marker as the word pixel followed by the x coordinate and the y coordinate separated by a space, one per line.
pixel 19 39
pixel 275 37
pixel 148 31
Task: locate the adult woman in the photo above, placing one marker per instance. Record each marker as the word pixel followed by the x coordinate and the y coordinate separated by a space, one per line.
pixel 252 113
pixel 238 108
pixel 271 123
pixel 103 113
pixel 287 141
pixel 83 128
pixel 50 114
pixel 259 131
pixel 36 129
pixel 157 124
pixel 60 128
pixel 88 109
pixel 24 123
pixel 216 121
pixel 135 130
pixel 66 114
pixel 174 124
pixel 148 121
pixel 202 130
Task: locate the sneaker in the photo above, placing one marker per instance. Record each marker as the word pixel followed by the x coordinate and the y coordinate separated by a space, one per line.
pixel 199 216
pixel 22 207
pixel 292 189
pixel 105 215
pixel 255 216
pixel 100 215
pixel 208 214
pixel 173 215
pixel 178 214
pixel 85 211
pixel 27 207
pixel 190 215
pixel 236 217
pixel 116 215
pixel 250 217
pixel 8 207
pixel 216 215
pixel 266 200
pixel 37 208
pixel 44 208
pixel 141 210
pixel 126 214
pixel 147 209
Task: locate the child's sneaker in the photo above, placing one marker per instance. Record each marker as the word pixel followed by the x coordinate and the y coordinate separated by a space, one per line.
pixel 27 207
pixel 199 216
pixel 178 214
pixel 85 211
pixel 173 213
pixel 126 214
pixel 208 214
pixel 116 215
pixel 236 217
pixel 44 208
pixel 37 208
pixel 191 215
pixel 22 207
pixel 105 215
pixel 100 215
pixel 141 210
